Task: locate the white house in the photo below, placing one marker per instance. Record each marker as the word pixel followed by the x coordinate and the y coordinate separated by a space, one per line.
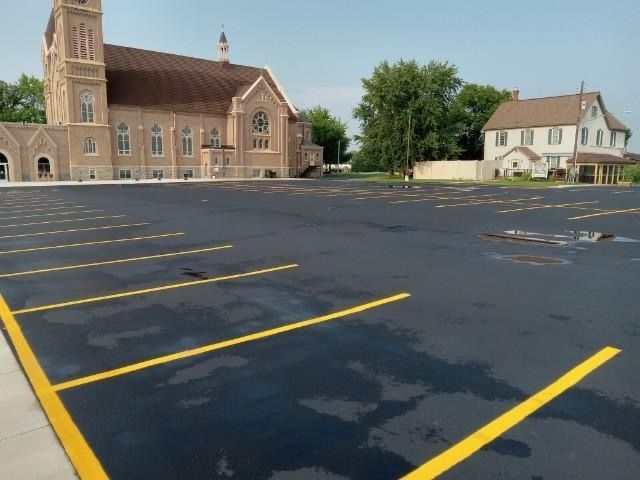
pixel 523 132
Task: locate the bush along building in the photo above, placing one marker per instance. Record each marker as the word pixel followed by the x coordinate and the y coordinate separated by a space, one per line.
pixel 523 133
pixel 124 113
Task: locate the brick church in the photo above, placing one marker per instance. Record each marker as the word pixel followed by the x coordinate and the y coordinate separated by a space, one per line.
pixel 124 113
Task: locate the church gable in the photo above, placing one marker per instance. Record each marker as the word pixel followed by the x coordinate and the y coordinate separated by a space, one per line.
pixel 8 142
pixel 41 143
pixel 261 93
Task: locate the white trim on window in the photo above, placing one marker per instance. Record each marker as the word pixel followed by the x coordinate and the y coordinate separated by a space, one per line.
pixel 89 146
pixel 157 147
pixel 87 107
pixel 187 142
pixel 123 138
pixel 125 174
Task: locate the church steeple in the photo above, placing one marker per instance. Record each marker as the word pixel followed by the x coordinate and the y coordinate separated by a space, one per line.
pixel 223 47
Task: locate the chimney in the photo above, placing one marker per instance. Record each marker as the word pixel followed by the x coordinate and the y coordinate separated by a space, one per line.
pixel 515 95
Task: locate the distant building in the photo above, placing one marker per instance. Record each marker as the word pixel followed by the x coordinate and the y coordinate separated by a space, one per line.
pixel 119 112
pixel 523 132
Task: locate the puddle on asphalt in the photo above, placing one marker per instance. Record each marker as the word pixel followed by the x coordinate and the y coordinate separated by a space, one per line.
pixel 530 259
pixel 570 238
pixel 189 272
pixel 517 238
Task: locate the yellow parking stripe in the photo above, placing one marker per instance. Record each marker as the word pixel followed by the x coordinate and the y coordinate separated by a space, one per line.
pixel 172 286
pixel 228 343
pixel 114 262
pixel 490 202
pixel 540 207
pixel 75 230
pixel 601 214
pixel 68 220
pixel 508 420
pixel 6 205
pixel 51 214
pixel 84 244
pixel 84 460
pixel 28 210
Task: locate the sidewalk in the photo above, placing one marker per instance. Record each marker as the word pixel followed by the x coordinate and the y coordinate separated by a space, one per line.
pixel 90 183
pixel 28 447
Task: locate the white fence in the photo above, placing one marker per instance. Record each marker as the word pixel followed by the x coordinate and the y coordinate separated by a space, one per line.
pixel 456 169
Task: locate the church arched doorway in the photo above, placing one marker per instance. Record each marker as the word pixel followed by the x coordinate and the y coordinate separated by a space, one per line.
pixel 4 168
pixel 44 168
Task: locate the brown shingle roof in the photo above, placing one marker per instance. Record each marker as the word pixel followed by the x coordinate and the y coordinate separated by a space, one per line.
pixel 526 151
pixel 600 159
pixel 164 81
pixel 543 112
pixel 634 157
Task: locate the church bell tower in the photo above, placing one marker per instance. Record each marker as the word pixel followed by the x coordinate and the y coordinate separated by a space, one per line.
pixel 223 48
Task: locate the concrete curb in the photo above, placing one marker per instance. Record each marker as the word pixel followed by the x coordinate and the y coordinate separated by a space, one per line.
pixel 28 446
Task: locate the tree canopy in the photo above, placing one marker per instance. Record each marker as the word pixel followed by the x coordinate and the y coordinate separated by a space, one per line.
pixel 471 110
pixel 328 131
pixel 424 108
pixel 22 101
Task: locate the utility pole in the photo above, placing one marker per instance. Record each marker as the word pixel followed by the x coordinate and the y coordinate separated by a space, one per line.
pixel 338 161
pixel 575 144
pixel 406 175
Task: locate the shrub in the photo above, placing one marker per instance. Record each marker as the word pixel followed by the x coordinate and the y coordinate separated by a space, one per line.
pixel 632 174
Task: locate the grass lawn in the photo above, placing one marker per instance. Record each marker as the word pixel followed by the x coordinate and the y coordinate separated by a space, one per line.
pixel 382 177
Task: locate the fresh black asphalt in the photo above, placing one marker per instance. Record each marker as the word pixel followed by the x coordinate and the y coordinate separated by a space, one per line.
pixel 370 396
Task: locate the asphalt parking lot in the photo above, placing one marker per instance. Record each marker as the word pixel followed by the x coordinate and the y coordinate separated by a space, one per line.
pixel 330 329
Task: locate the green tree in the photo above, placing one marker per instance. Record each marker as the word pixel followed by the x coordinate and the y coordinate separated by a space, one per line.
pixel 22 101
pixel 328 132
pixel 361 163
pixel 470 111
pixel 407 105
pixel 627 136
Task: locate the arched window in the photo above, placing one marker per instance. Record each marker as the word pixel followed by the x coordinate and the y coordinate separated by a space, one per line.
pixel 599 138
pixel 261 124
pixel 44 166
pixel 87 107
pixel 187 142
pixel 156 141
pixel 124 139
pixel 89 147
pixel 83 43
pixel 215 138
pixel 584 138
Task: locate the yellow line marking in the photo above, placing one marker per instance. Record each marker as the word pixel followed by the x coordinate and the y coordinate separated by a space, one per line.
pixel 611 212
pixel 508 420
pixel 42 209
pixel 29 204
pixel 439 197
pixel 84 460
pixel 490 202
pixel 75 230
pixel 69 220
pixel 50 214
pixel 83 244
pixel 227 343
pixel 114 262
pixel 540 207
pixel 143 291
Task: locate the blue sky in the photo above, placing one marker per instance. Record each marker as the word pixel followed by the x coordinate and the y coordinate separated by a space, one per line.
pixel 320 50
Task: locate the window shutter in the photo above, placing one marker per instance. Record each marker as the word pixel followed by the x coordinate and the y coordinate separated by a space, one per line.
pixel 550 135
pixel 506 138
pixel 532 136
pixel 497 138
pixel 521 137
pixel 559 136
